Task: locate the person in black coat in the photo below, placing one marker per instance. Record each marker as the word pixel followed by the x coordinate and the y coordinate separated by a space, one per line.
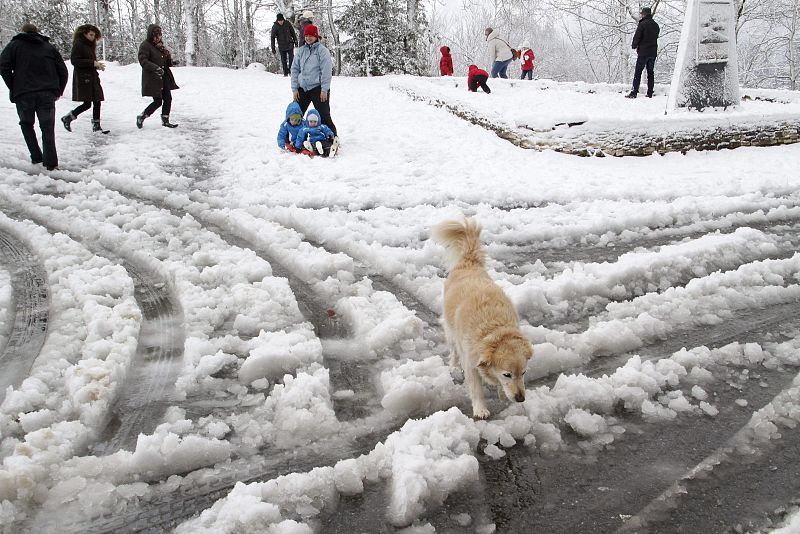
pixel 645 42
pixel 86 86
pixel 284 33
pixel 36 76
pixel 157 79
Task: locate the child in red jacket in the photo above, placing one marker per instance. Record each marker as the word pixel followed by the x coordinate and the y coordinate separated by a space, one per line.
pixel 527 61
pixel 477 78
pixel 446 63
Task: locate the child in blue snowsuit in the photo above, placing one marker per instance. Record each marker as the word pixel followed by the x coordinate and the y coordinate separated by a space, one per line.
pixel 291 127
pixel 314 137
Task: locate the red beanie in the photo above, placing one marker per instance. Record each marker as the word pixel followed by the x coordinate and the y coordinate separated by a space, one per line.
pixel 311 30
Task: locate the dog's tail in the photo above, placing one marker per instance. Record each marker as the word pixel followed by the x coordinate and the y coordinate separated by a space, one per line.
pixel 463 239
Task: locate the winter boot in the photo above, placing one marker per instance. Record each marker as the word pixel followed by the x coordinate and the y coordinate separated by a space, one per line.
pixel 67 119
pixel 632 94
pixel 97 128
pixel 334 147
pixel 307 145
pixel 165 122
pixel 140 120
pixel 649 95
pixel 320 148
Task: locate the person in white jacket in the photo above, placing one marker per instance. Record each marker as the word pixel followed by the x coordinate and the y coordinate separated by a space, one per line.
pixel 499 53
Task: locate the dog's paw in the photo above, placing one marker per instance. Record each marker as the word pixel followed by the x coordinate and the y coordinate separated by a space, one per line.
pixel 480 412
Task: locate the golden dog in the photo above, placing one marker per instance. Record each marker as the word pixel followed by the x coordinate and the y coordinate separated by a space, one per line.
pixel 480 323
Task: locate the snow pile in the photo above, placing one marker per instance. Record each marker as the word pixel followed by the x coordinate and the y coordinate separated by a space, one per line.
pixel 424 462
pixel 93 324
pixel 6 310
pixel 418 387
pixel 379 320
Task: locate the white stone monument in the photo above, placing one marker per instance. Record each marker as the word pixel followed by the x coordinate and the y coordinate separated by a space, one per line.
pixel 706 68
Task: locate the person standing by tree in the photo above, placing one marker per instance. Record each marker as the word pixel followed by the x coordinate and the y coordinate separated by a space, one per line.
pixel 86 86
pixel 36 75
pixel 500 53
pixel 311 76
pixel 305 19
pixel 446 62
pixel 645 42
pixel 527 61
pixel 284 33
pixel 157 79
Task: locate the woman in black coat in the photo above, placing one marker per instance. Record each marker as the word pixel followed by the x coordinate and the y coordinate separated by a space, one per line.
pixel 86 86
pixel 157 79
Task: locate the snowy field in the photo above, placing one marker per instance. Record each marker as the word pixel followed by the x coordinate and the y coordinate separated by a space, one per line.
pixel 244 340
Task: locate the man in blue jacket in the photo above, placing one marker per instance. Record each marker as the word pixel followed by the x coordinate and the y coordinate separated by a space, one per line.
pixel 311 76
pixel 36 76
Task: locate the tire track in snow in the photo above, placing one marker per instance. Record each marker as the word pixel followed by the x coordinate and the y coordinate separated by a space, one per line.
pixel 143 399
pixel 31 298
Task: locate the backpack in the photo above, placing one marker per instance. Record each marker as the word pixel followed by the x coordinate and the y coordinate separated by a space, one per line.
pixel 515 54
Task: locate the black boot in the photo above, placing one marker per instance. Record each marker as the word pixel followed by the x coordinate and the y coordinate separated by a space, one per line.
pixel 632 94
pixel 165 122
pixel 67 119
pixel 140 120
pixel 97 128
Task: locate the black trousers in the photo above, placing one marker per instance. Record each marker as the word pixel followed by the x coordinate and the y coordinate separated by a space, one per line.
pixel 41 105
pixel 324 108
pixel 643 63
pixel 287 56
pixel 479 81
pixel 165 100
pixel 86 105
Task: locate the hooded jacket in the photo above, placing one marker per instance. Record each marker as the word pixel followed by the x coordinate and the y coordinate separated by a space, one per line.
pixel 85 78
pixel 645 40
pixel 446 62
pixel 29 63
pixel 151 59
pixel 499 50
pixel 318 133
pixel 475 71
pixel 312 67
pixel 287 132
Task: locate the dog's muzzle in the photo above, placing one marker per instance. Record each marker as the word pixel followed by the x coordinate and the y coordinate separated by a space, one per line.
pixel 519 397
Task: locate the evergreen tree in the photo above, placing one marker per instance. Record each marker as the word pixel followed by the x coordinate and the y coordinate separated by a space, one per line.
pixel 381 41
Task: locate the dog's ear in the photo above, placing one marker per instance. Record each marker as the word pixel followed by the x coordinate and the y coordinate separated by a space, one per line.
pixel 484 362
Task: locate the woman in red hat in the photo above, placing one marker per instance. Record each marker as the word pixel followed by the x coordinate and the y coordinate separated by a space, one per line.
pixel 312 70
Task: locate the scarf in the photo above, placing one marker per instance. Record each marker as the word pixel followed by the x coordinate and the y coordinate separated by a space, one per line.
pixel 161 48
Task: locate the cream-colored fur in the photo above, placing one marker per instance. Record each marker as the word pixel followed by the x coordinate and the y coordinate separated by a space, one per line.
pixel 480 323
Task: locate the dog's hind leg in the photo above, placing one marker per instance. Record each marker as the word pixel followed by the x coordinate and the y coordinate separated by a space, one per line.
pixel 475 389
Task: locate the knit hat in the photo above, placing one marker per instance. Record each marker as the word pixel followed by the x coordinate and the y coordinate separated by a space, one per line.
pixel 646 11
pixel 279 17
pixel 311 30
pixel 312 117
pixel 308 14
pixel 29 28
pixel 296 116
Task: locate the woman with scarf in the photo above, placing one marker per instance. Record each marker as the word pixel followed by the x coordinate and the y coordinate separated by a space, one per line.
pixel 157 79
pixel 86 86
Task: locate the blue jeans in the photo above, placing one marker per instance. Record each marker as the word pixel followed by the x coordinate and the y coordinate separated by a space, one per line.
pixel 41 105
pixel 499 68
pixel 642 63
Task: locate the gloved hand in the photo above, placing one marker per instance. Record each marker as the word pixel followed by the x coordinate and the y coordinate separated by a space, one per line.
pixel 273 52
pixel 160 72
pixel 99 66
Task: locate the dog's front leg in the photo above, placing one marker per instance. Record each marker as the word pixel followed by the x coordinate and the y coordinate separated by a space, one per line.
pixel 475 388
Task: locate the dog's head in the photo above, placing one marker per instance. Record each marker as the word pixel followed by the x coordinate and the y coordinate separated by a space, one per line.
pixel 504 360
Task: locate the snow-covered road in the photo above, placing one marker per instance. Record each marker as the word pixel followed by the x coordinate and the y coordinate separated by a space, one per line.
pixel 267 324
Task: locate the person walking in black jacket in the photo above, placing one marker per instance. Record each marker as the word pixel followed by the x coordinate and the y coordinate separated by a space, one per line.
pixel 645 42
pixel 284 33
pixel 157 79
pixel 86 86
pixel 36 75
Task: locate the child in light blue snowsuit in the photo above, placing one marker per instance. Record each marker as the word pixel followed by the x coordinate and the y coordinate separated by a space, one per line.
pixel 314 137
pixel 290 128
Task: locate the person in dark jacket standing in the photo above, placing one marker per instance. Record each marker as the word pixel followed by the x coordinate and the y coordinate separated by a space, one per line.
pixel 36 75
pixel 284 33
pixel 157 79
pixel 86 86
pixel 645 42
pixel 305 19
pixel 446 62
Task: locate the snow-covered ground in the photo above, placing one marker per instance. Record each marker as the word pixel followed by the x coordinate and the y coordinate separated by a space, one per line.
pixel 267 323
